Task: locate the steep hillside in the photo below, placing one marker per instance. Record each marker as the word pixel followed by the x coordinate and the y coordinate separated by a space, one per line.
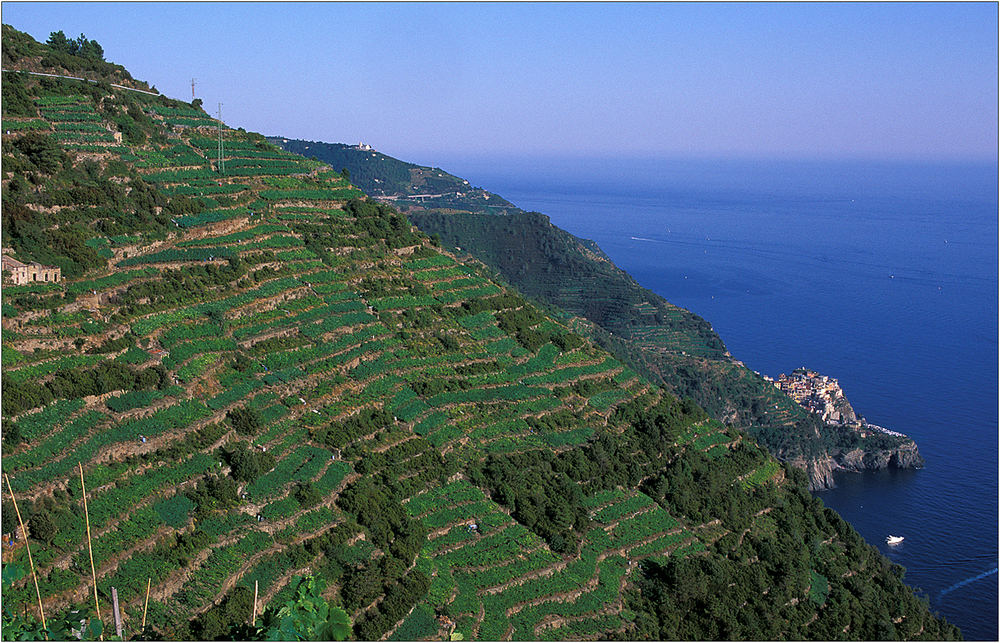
pixel 259 374
pixel 666 344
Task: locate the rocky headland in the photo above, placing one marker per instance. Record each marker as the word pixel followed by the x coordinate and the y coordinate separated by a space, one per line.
pixel 877 448
pixel 821 469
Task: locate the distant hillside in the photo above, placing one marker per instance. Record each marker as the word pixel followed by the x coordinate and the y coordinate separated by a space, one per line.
pixel 405 185
pixel 665 343
pixel 278 411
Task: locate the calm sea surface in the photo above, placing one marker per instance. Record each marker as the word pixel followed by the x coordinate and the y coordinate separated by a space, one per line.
pixel 882 275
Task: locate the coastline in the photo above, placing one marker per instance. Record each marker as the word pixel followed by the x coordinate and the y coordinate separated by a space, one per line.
pixel 821 470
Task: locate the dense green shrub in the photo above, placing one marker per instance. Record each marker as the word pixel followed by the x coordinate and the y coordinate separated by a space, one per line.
pixel 248 464
pixel 244 420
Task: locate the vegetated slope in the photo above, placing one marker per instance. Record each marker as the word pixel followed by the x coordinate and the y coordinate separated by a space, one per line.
pixel 263 375
pixel 405 185
pixel 665 343
pixel 81 58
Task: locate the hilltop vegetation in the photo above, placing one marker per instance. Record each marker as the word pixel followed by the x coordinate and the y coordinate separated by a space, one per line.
pixel 270 382
pixel 79 56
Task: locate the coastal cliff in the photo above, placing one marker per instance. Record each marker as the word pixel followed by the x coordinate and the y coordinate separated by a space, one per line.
pixel 821 469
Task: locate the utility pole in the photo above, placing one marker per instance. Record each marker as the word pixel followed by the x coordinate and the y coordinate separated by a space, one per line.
pixel 193 81
pixel 221 163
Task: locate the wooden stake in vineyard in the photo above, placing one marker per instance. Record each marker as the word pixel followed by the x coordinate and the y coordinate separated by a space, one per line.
pixel 117 612
pixel 31 563
pixel 146 605
pixel 253 614
pixel 90 548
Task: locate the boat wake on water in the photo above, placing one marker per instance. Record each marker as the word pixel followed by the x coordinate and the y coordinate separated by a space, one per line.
pixel 967 581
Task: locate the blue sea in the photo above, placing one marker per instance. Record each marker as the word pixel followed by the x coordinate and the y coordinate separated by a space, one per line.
pixel 880 274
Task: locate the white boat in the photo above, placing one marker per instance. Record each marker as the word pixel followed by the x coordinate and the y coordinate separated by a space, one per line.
pixel 893 540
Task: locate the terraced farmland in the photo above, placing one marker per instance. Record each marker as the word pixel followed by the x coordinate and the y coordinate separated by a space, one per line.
pixel 495 579
pixel 259 374
pixel 260 369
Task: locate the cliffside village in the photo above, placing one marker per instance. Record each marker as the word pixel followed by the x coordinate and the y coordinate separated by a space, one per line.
pixel 822 394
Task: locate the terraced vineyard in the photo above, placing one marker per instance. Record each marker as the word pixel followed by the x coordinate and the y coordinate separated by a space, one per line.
pixel 497 580
pixel 303 338
pixel 259 374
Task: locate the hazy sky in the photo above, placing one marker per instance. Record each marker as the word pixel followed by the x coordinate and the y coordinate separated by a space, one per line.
pixel 887 80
